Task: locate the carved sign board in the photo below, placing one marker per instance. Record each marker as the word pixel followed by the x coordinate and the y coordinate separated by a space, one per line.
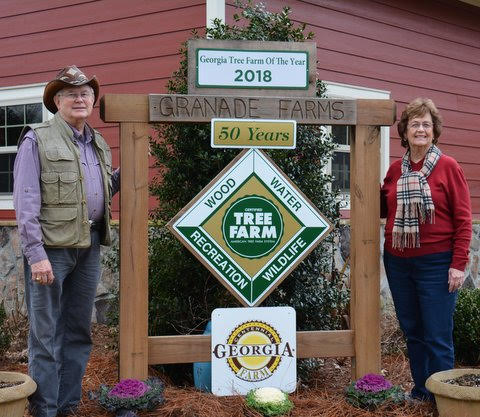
pixel 249 68
pixel 196 108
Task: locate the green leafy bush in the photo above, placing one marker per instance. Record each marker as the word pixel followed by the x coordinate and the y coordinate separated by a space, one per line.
pixel 466 328
pixel 182 291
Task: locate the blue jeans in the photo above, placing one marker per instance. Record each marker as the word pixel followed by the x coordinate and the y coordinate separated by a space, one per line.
pixel 59 341
pixel 424 308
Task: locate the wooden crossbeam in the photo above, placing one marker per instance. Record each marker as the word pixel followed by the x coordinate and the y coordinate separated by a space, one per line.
pixel 136 108
pixel 197 348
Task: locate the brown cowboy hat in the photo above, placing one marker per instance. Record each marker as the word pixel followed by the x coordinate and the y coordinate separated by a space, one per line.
pixel 69 76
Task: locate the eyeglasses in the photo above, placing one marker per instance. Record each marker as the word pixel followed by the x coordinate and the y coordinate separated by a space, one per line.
pixel 84 95
pixel 416 125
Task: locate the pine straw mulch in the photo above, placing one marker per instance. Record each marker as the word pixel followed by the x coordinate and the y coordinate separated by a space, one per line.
pixel 323 397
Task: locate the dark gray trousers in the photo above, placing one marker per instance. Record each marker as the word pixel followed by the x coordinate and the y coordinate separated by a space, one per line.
pixel 59 342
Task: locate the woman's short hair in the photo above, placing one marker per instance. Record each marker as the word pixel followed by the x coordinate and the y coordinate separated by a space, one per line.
pixel 419 108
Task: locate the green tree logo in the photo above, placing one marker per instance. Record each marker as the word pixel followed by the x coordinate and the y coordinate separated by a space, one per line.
pixel 252 227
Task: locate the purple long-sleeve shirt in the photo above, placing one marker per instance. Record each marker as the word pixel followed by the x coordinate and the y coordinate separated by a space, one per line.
pixel 27 196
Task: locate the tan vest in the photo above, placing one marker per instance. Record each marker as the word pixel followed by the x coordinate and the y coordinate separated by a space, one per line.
pixel 63 212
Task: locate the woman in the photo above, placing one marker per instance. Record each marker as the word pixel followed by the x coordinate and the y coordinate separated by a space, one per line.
pixel 426 201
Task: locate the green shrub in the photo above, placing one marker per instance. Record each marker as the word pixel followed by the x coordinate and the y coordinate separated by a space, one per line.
pixel 182 291
pixel 466 329
pixel 5 338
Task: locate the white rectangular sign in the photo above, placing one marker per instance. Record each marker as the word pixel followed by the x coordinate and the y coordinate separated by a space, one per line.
pixel 253 348
pixel 252 69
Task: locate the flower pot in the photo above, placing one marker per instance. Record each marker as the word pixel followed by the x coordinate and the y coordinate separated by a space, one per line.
pixel 454 400
pixel 14 399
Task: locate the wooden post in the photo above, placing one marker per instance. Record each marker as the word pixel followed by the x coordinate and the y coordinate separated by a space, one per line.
pixel 365 247
pixel 133 250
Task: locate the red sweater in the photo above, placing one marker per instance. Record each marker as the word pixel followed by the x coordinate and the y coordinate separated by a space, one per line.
pixel 452 229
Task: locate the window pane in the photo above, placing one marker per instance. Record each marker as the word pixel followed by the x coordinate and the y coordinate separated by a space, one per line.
pixel 33 113
pixel 15 115
pixel 340 135
pixel 12 121
pixel 347 172
pixel 12 135
pixel 341 171
pixel 6 172
pixel 4 162
pixel 4 180
pixel 12 162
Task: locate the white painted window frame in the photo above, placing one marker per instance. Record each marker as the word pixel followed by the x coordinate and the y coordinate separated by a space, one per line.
pixel 21 94
pixel 215 10
pixel 346 91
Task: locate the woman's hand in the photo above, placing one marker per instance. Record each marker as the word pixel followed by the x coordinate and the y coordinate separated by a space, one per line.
pixel 455 279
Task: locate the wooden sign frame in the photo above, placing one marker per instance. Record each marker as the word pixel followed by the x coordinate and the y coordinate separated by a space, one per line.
pixel 310 48
pixel 361 342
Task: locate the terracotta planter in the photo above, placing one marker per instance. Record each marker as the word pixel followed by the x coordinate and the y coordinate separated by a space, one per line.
pixel 455 400
pixel 14 399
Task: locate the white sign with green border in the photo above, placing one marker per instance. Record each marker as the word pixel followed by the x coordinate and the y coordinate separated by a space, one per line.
pixel 252 69
pixel 243 68
pixel 251 226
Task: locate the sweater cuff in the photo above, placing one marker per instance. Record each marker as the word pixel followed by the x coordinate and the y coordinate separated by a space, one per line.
pixel 459 264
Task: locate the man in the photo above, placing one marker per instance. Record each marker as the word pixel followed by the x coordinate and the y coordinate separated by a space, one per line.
pixel 63 184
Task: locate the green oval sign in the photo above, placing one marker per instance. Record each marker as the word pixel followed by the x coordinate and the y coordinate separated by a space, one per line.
pixel 252 227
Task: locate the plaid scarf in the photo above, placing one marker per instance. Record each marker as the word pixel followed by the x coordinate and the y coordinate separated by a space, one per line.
pixel 414 200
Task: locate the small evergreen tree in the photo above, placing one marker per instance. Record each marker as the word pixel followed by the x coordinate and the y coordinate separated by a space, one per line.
pixel 182 291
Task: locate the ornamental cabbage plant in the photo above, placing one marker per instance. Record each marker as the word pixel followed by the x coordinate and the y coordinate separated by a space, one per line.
pixel 130 395
pixel 373 383
pixel 269 401
pixel 372 391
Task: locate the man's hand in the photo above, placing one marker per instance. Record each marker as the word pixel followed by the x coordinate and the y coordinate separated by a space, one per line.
pixel 42 272
pixel 455 279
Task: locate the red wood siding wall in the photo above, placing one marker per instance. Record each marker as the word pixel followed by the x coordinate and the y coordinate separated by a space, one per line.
pixel 411 48
pixel 429 48
pixel 131 46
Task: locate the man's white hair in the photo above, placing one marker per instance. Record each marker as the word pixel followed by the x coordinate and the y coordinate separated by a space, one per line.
pixel 60 92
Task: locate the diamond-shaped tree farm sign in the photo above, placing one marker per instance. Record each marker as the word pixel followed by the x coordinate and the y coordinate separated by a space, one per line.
pixel 250 226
